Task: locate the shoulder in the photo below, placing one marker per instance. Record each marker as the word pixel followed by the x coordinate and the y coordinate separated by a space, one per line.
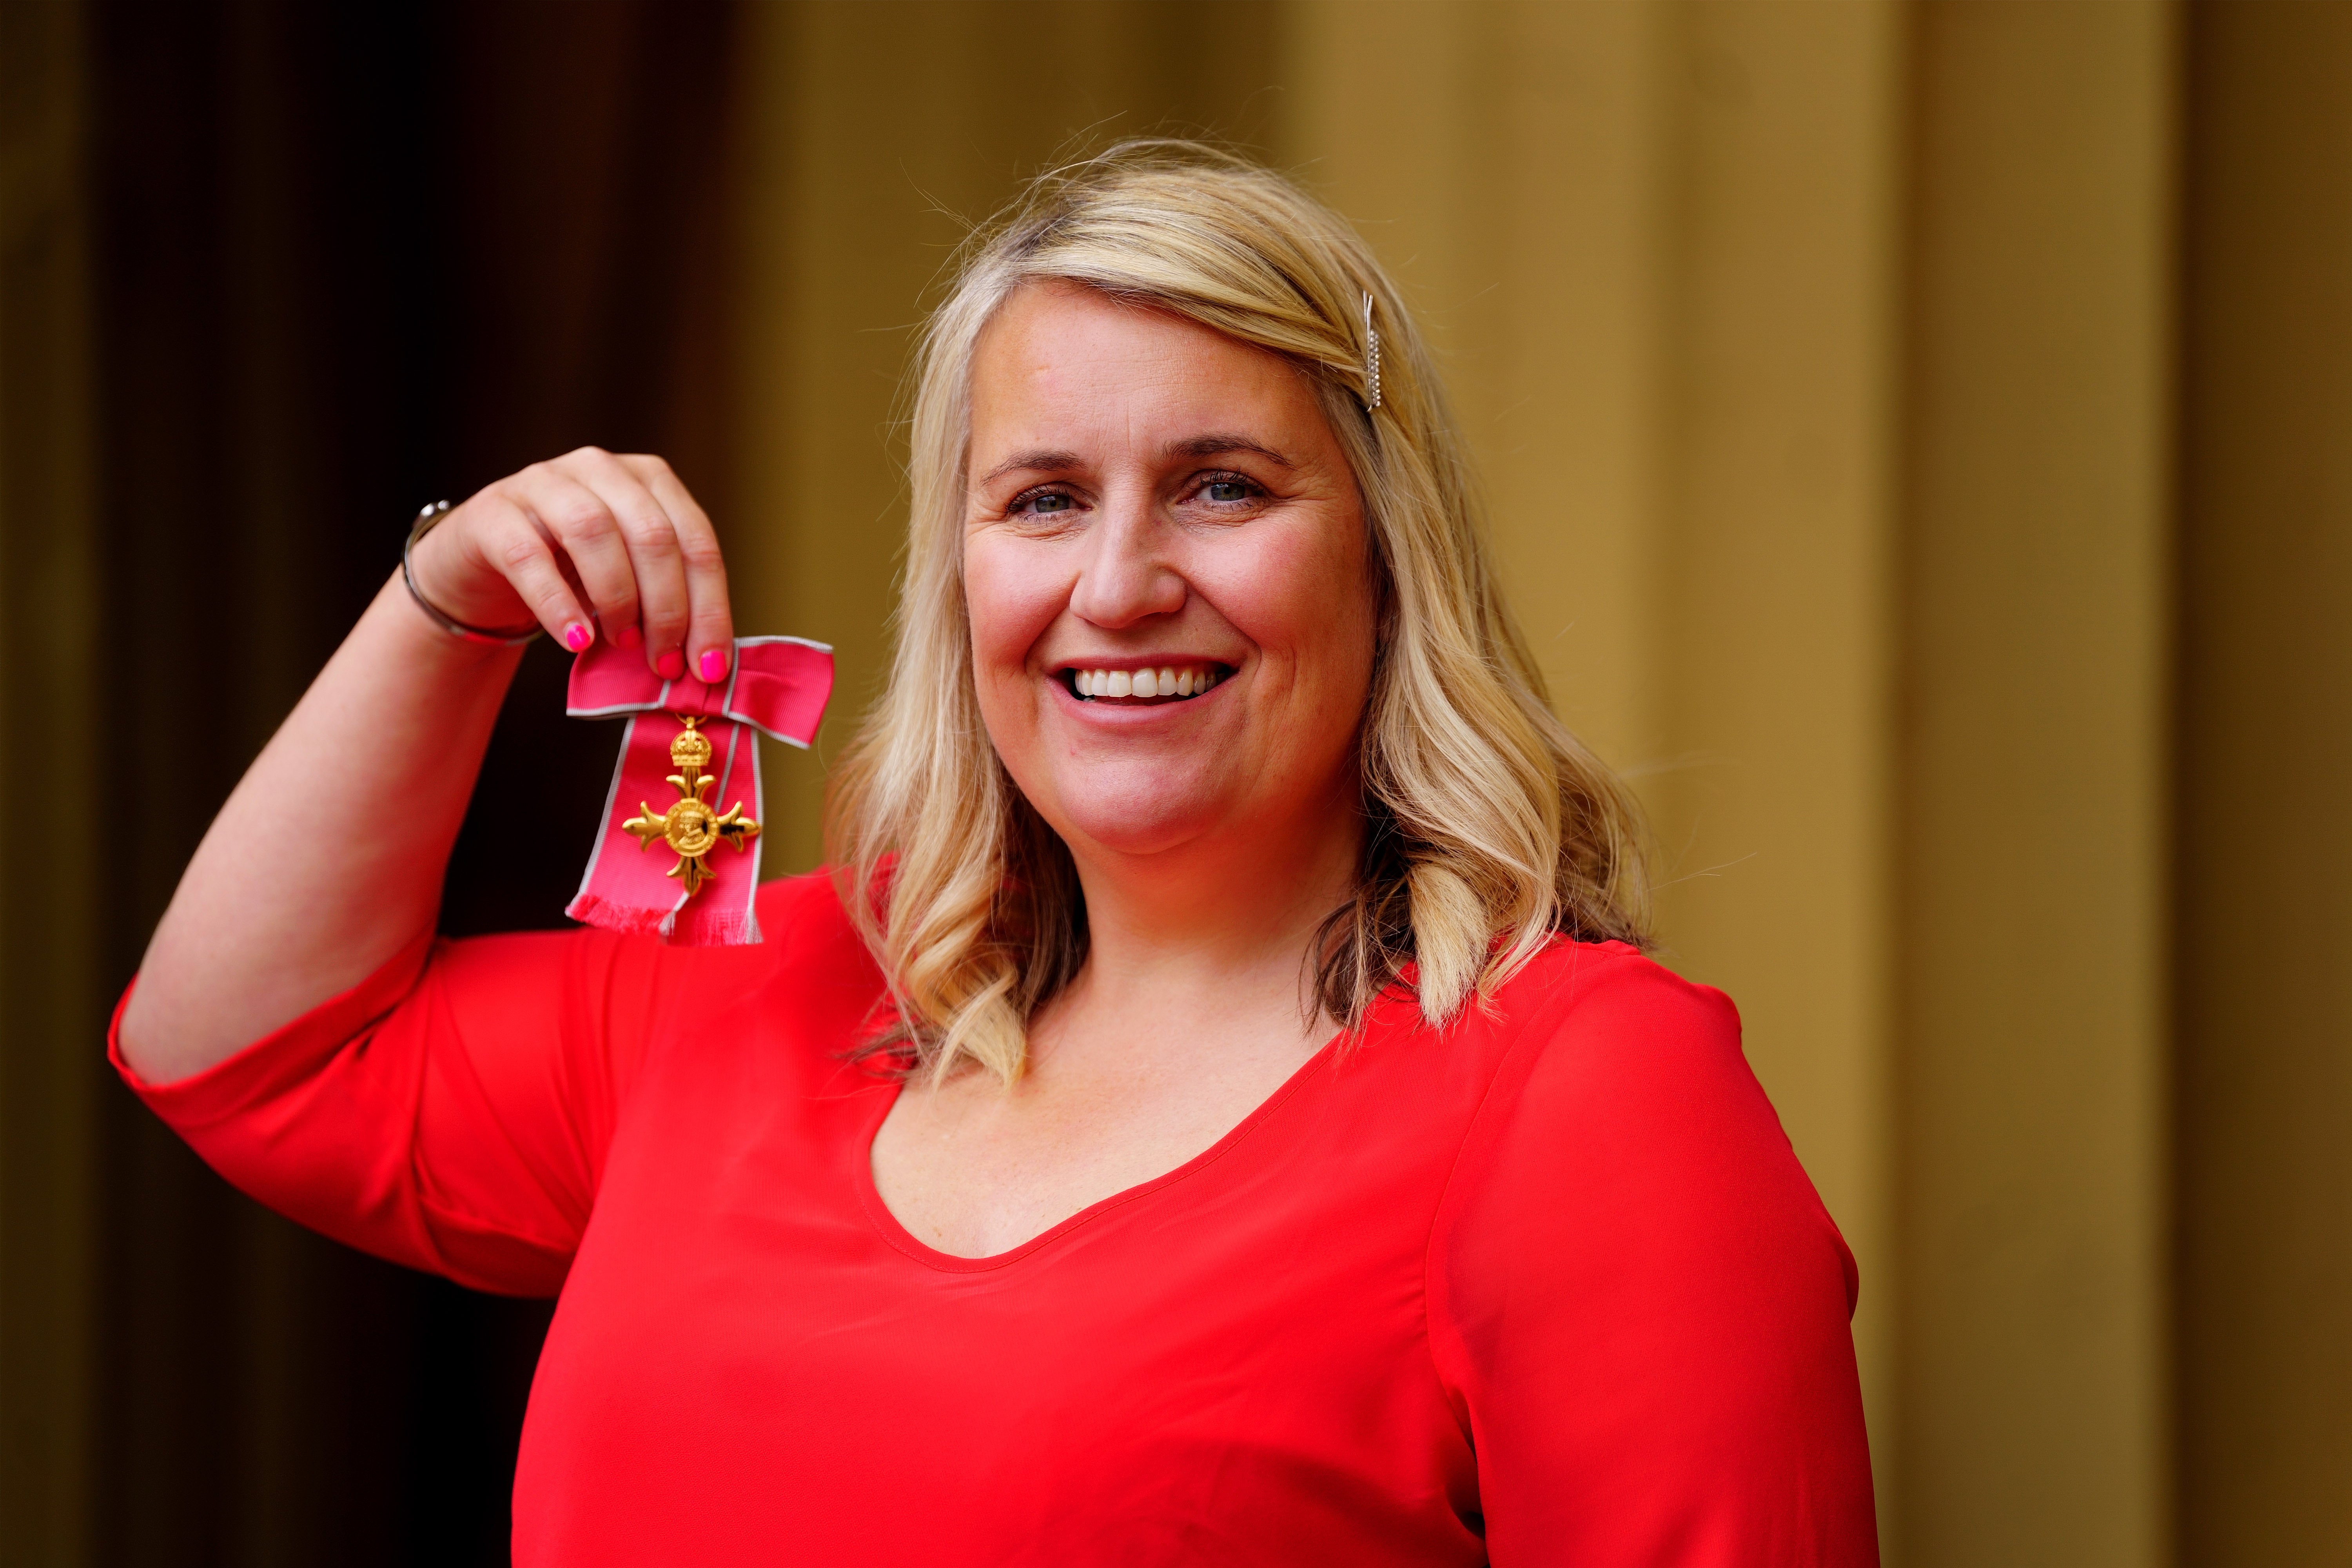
pixel 1622 1091
pixel 1601 1040
pixel 1608 1008
pixel 808 947
pixel 801 918
pixel 1582 1030
pixel 804 991
pixel 811 959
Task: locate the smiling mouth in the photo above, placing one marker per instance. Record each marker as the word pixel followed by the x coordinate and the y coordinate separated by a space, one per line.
pixel 1139 687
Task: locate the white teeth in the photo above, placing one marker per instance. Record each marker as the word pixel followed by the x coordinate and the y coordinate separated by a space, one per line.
pixel 1170 680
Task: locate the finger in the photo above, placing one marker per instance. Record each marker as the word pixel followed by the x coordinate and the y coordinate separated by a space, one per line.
pixel 581 526
pixel 583 541
pixel 508 539
pixel 710 633
pixel 650 536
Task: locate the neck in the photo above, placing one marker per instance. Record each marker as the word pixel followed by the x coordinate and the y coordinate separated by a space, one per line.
pixel 1219 924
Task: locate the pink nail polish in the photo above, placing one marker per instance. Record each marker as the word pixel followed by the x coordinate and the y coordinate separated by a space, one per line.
pixel 629 636
pixel 711 666
pixel 576 636
pixel 670 665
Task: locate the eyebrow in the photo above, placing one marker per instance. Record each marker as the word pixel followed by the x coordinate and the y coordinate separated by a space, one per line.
pixel 1041 462
pixel 1216 446
pixel 1045 460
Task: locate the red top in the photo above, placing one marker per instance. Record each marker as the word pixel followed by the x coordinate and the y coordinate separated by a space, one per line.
pixel 1547 1288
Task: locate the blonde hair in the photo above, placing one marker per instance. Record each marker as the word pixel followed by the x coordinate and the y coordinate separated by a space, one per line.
pixel 1489 827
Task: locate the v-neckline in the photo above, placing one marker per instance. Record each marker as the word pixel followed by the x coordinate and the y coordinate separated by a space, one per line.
pixel 896 1232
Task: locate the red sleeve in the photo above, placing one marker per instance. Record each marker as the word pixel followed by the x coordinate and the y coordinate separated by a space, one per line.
pixel 450 1112
pixel 1640 1305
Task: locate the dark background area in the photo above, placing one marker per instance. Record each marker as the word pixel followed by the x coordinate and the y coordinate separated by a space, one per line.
pixel 350 258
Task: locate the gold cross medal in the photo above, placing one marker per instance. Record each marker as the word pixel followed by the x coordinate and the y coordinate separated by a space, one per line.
pixel 691 827
pixel 704 737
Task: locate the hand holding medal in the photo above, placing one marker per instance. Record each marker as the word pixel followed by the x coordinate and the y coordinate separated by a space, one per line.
pixel 595 540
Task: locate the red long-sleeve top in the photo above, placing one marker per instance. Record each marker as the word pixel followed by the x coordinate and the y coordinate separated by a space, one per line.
pixel 1545 1287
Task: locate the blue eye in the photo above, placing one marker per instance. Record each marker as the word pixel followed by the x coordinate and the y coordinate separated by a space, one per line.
pixel 1227 490
pixel 1051 501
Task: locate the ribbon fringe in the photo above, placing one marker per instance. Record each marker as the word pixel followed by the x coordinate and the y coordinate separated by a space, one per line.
pixel 704 927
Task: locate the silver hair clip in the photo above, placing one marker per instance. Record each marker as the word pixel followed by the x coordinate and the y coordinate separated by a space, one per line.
pixel 1371 358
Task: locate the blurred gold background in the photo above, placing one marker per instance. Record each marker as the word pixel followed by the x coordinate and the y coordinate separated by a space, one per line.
pixel 1915 439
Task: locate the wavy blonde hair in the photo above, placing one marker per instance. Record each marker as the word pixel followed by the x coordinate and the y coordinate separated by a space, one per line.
pixel 1489 827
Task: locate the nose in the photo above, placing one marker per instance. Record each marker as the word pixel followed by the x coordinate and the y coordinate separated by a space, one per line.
pixel 1126 576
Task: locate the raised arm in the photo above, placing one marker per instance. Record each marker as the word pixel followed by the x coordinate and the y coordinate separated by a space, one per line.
pixel 329 857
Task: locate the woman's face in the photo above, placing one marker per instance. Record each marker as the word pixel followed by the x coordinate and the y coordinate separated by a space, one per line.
pixel 1152 505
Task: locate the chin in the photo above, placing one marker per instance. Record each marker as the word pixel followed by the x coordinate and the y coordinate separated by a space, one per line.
pixel 1132 817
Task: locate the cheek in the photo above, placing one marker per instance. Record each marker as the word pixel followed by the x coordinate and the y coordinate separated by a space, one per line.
pixel 1302 596
pixel 1011 598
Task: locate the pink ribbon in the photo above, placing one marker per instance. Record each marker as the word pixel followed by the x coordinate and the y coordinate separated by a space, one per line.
pixel 776 685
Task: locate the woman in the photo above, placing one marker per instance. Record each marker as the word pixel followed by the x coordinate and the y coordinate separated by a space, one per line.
pixel 1216 1110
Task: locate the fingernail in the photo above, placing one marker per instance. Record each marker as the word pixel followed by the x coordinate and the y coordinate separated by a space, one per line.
pixel 629 636
pixel 711 666
pixel 670 665
pixel 577 637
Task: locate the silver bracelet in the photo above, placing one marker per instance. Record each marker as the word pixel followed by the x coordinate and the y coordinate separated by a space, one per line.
pixel 423 526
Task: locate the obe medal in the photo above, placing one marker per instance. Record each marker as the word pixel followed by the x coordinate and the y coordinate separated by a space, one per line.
pixel 691 827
